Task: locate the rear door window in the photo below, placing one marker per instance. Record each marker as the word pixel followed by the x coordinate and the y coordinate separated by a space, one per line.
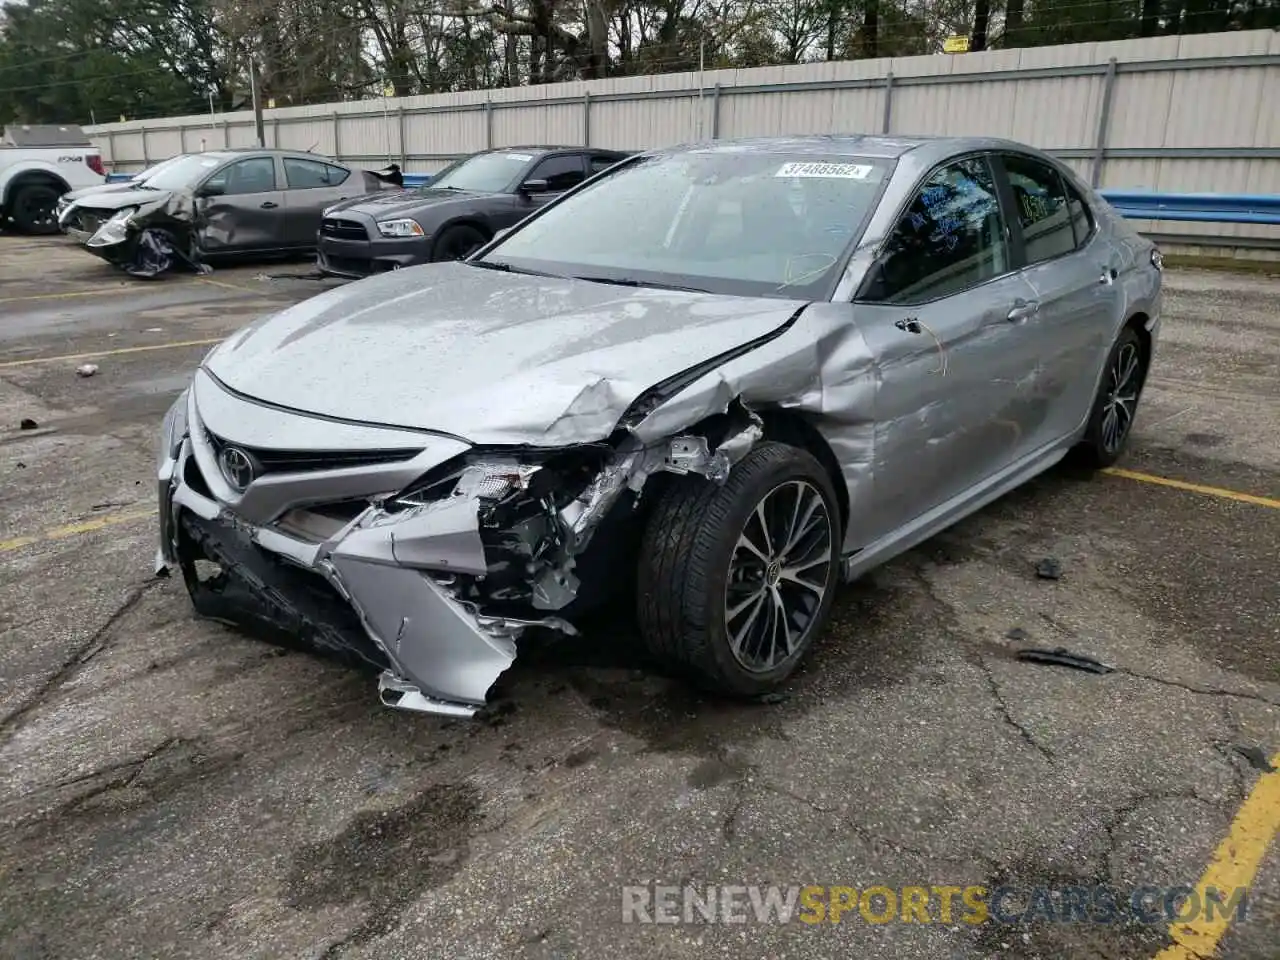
pixel 1040 199
pixel 306 174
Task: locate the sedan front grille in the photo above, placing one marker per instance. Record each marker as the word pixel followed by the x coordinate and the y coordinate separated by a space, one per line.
pixel 89 220
pixel 343 229
pixel 305 461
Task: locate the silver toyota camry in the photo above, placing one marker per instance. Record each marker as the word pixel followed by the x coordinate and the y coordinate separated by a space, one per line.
pixel 720 379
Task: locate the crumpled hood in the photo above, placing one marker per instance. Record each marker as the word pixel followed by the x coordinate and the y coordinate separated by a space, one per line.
pixel 128 197
pixel 96 190
pixel 491 357
pixel 404 203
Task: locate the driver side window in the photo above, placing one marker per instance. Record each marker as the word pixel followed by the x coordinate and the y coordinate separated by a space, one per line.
pixel 252 175
pixel 561 173
pixel 951 237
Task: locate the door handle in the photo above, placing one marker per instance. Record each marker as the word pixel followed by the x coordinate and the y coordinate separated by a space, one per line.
pixel 269 205
pixel 1022 309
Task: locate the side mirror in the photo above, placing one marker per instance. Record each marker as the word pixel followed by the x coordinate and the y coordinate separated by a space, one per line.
pixel 211 190
pixel 535 186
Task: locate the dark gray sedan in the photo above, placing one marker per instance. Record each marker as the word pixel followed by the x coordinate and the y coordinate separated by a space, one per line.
pixel 461 210
pixel 238 201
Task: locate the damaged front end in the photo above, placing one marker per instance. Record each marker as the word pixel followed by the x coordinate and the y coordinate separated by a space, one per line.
pixel 147 240
pixel 425 562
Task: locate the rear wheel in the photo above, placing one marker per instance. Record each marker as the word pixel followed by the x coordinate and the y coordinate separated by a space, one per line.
pixel 458 242
pixel 737 580
pixel 1116 404
pixel 33 208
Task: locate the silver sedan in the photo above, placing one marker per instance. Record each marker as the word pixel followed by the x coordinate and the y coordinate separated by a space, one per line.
pixel 718 378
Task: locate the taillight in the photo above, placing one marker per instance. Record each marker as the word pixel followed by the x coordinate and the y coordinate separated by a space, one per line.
pixel 95 164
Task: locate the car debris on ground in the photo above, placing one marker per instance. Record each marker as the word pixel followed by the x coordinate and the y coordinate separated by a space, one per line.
pixel 1062 657
pixel 1049 569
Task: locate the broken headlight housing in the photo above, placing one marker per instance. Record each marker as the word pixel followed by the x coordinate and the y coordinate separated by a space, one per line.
pixel 173 430
pixel 558 475
pixel 522 498
pixel 115 230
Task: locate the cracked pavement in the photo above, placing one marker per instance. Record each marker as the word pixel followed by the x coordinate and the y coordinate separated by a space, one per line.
pixel 168 788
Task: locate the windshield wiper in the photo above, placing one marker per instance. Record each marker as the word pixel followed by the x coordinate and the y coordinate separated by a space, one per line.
pixel 505 267
pixel 631 282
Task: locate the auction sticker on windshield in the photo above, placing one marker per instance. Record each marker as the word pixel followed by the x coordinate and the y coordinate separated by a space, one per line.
pixel 523 157
pixel 839 171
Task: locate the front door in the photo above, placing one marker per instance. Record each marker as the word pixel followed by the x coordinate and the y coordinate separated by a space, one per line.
pixel 561 172
pixel 1070 330
pixel 936 313
pixel 245 211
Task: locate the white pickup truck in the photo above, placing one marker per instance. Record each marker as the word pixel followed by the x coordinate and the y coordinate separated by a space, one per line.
pixel 33 176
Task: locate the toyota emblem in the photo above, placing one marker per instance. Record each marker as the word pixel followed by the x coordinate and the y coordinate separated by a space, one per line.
pixel 238 468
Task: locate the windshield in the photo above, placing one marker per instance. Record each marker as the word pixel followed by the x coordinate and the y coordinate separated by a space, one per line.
pixel 749 224
pixel 485 172
pixel 155 168
pixel 184 172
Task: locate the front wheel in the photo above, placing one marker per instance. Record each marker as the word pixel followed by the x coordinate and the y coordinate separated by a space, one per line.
pixel 458 242
pixel 1116 403
pixel 34 209
pixel 737 580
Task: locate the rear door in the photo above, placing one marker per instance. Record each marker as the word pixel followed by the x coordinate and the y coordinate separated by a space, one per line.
pixel 311 186
pixel 1076 299
pixel 243 206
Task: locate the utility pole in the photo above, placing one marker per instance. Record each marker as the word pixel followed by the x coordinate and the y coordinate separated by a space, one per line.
pixel 257 103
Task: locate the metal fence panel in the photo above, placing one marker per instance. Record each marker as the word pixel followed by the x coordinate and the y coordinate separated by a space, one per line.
pixel 1174 114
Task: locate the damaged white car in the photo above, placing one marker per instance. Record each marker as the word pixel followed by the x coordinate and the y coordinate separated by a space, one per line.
pixel 723 377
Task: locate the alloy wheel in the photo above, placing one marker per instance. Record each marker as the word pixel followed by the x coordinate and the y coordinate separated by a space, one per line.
pixel 1123 383
pixel 778 576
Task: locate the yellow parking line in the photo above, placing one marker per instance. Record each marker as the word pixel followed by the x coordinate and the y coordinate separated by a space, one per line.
pixel 73 293
pixel 75 529
pixel 1195 487
pixel 67 358
pixel 1234 864
pixel 227 286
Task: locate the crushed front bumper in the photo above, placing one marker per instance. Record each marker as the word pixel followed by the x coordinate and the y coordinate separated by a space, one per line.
pixel 377 589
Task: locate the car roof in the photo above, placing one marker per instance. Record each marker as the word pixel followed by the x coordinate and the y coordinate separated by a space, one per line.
pixel 551 148
pixel 227 153
pixel 888 147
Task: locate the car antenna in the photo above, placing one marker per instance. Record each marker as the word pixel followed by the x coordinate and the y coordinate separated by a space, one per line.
pixel 312 148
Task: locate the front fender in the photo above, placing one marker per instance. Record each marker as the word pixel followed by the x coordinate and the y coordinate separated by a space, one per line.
pixel 40 168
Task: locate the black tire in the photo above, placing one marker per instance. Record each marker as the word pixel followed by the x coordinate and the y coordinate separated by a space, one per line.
pixel 691 564
pixel 34 208
pixel 1111 418
pixel 457 242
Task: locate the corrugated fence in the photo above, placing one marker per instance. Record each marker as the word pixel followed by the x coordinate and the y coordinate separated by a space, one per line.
pixel 1173 114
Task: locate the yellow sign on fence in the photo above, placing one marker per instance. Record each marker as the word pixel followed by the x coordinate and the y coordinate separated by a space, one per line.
pixel 955 45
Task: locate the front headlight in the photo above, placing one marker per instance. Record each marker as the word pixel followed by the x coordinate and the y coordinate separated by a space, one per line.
pixel 114 230
pixel 400 228
pixel 173 430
